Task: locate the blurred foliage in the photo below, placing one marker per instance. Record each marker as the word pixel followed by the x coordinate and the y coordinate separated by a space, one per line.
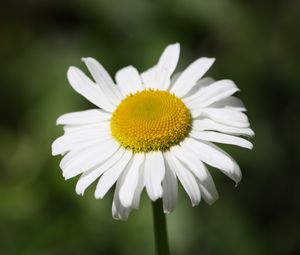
pixel 256 43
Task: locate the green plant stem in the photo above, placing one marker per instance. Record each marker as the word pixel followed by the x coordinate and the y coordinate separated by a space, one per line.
pixel 160 229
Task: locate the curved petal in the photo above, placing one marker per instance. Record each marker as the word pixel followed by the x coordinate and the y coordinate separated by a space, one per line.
pixel 200 84
pixel 170 188
pixel 131 180
pixel 190 160
pixel 208 124
pixel 139 188
pixel 76 141
pixel 207 186
pixel 88 177
pixel 83 117
pixel 230 103
pixel 101 127
pixel 109 178
pixel 196 166
pixel 76 162
pixel 214 156
pixel 186 178
pixel 129 80
pixel 221 138
pixel 119 212
pixel 85 87
pixel 211 94
pixel 174 79
pixel 154 174
pixel 223 116
pixel 187 80
pixel 103 79
pixel 148 75
pixel 165 68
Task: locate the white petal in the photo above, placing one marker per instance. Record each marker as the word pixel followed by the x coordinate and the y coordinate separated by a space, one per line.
pixel 83 117
pixel 87 178
pixel 154 174
pixel 191 75
pixel 207 124
pixel 214 156
pixel 139 188
pixel 205 181
pixel 103 79
pixel 76 162
pixel 174 79
pixel 76 141
pixel 129 186
pixel 200 84
pixel 148 75
pixel 207 186
pixel 101 127
pixel 170 189
pixel 129 80
pixel 165 67
pixel 85 87
pixel 187 180
pixel 223 116
pixel 221 138
pixel 211 94
pixel 230 103
pixel 109 178
pixel 119 212
pixel 190 160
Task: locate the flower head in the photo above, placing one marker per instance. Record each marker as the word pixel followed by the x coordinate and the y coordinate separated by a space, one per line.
pixel 151 129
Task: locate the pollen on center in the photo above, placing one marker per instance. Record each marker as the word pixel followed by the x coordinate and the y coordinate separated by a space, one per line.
pixel 150 120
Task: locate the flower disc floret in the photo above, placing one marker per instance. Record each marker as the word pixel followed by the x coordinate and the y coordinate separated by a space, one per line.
pixel 150 120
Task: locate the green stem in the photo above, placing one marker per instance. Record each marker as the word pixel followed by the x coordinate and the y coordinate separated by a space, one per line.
pixel 160 229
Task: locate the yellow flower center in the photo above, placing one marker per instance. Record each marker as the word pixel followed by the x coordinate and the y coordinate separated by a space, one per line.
pixel 150 120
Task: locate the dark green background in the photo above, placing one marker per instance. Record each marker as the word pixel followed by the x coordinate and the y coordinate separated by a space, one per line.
pixel 256 43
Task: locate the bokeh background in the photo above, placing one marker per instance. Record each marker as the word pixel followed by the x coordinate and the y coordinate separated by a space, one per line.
pixel 256 43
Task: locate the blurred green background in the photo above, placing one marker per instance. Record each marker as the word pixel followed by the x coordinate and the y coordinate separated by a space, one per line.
pixel 256 43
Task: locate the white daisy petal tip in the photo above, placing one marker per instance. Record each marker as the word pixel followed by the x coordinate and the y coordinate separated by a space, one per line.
pixel 68 174
pixel 59 121
pixel 98 196
pixel 72 73
pixel 66 177
pixel 251 133
pixel 159 77
pixel 195 204
pixel 174 46
pixel 168 211
pixel 210 61
pixel 188 79
pixel 154 173
pixel 237 179
pixel 86 59
pixel 79 190
pixel 155 194
pixel 213 200
pixel 250 146
pixel 172 49
pixel 126 203
pixel 71 69
pixel 53 149
pixel 132 186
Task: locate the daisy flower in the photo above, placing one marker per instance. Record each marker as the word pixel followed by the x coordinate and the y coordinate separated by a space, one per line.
pixel 150 130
